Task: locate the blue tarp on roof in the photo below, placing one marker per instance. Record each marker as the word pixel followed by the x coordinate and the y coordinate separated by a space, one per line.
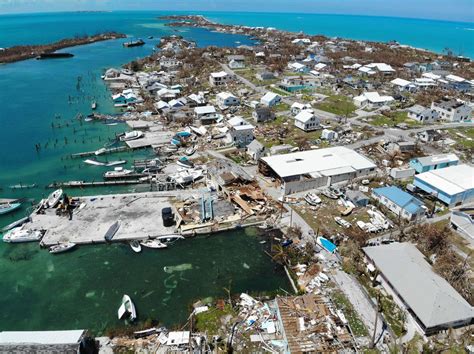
pixel 401 198
pixel 326 244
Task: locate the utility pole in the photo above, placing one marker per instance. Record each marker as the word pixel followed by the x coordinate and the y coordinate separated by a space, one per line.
pixel 372 341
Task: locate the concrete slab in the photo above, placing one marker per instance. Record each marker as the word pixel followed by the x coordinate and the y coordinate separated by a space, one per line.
pixel 140 124
pixel 155 138
pixel 139 215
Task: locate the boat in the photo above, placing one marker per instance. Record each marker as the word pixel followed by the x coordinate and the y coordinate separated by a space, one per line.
pixel 127 72
pixel 329 194
pixel 6 208
pixel 168 239
pixel 53 198
pixel 17 223
pixel 94 105
pixel 20 234
pixel 184 162
pixel 62 247
pixel 342 222
pixel 189 151
pixel 170 148
pixel 186 176
pixel 112 231
pixel 23 186
pixel 137 43
pixel 115 163
pixel 312 199
pixel 133 135
pixel 150 37
pixel 153 244
pixel 135 246
pixel 127 308
pixel 118 172
pixel 94 162
pixel 54 56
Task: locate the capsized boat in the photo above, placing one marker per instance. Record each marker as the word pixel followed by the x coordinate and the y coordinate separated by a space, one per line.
pixel 115 163
pixel 94 162
pixel 133 135
pixel 312 199
pixel 117 173
pixel 20 234
pixel 153 244
pixel 135 246
pixel 112 231
pixel 185 162
pixel 6 208
pixel 100 151
pixel 127 309
pixel 62 247
pixel 53 198
pixel 17 223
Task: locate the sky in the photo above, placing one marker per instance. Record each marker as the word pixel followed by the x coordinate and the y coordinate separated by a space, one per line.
pixel 450 10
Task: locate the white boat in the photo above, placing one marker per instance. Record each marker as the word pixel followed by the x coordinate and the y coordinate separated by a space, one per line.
pixel 170 148
pixel 62 247
pixel 19 234
pixel 100 151
pixel 312 199
pixel 117 173
pixel 189 151
pixel 94 105
pixel 135 246
pixel 127 308
pixel 186 176
pixel 53 198
pixel 184 162
pixel 94 162
pixel 169 239
pixel 329 194
pixel 342 222
pixel 115 163
pixel 153 244
pixel 6 208
pixel 133 135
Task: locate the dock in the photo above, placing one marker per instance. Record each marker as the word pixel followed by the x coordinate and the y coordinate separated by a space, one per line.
pixel 82 184
pixel 152 138
pixel 92 153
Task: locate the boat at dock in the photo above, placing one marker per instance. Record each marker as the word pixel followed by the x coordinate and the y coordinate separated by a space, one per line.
pixel 6 208
pixel 17 223
pixel 153 244
pixel 20 234
pixel 168 239
pixel 185 162
pixel 135 246
pixel 118 172
pixel 312 199
pixel 53 198
pixel 127 309
pixel 62 247
pixel 100 151
pixel 109 235
pixel 133 135
pixel 54 56
pixel 137 43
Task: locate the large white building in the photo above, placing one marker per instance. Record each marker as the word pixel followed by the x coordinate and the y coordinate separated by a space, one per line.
pixel 220 78
pixel 307 121
pixel 240 132
pixel 372 100
pixel 310 169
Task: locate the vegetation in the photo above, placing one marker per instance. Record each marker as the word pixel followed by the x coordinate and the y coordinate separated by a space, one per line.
pixel 337 104
pixel 392 119
pixel 357 326
pixel 210 321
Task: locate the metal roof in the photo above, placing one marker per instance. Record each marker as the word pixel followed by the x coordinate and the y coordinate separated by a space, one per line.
pixel 450 180
pixel 41 337
pixel 436 159
pixel 401 198
pixel 433 300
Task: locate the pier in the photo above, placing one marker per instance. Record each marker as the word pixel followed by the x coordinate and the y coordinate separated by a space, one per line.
pixel 82 184
pixel 104 152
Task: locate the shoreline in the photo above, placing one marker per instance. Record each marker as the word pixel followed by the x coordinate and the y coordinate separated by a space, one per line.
pixel 25 52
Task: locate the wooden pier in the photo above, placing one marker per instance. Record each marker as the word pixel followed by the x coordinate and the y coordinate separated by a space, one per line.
pixel 106 151
pixel 81 184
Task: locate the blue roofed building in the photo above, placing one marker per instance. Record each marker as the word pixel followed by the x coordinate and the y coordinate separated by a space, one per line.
pixel 399 202
pixel 434 162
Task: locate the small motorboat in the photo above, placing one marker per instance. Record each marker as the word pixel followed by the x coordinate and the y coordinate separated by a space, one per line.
pixel 62 247
pixel 312 199
pixel 170 149
pixel 115 163
pixel 186 176
pixel 6 208
pixel 127 309
pixel 342 222
pixel 53 198
pixel 185 162
pixel 190 151
pixel 118 172
pixel 20 234
pixel 153 244
pixel 94 162
pixel 329 194
pixel 135 246
pixel 168 239
pixel 94 105
pixel 133 135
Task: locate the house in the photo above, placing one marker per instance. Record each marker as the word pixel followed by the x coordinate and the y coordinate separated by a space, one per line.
pixel 206 114
pixel 296 83
pixel 433 162
pixel 402 173
pixel 303 170
pixel 226 99
pixel 329 135
pixel 358 198
pixel 270 99
pixel 463 223
pixel 219 78
pixel 265 75
pixel 427 297
pixel 458 83
pixel 452 185
pixel 429 135
pixel 125 98
pixel 403 85
pixel 373 68
pixel 196 99
pixel 422 114
pixel 169 63
pixel 234 64
pixel 301 41
pixel 452 110
pixel 263 114
pixel 298 67
pixel 401 146
pixel 297 107
pixel 372 100
pixel 67 341
pixel 255 149
pixel 240 131
pixel 307 121
pixel 399 202
pixel 280 149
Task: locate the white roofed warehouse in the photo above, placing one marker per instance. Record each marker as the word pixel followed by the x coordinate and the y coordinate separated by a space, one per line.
pixel 310 169
pixel 429 299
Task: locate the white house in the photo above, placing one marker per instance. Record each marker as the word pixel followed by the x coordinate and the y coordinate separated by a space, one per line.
pixel 270 99
pixel 329 135
pixel 373 68
pixel 452 110
pixel 403 85
pixel 226 99
pixel 206 114
pixel 236 64
pixel 372 100
pixel 307 121
pixel 298 67
pixel 240 131
pixel 297 107
pixel 219 78
pixel 422 114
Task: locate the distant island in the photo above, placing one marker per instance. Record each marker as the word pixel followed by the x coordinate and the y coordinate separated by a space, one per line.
pixel 24 52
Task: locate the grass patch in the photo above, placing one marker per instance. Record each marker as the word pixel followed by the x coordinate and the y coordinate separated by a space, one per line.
pixel 337 104
pixel 357 326
pixel 281 107
pixel 393 120
pixel 210 321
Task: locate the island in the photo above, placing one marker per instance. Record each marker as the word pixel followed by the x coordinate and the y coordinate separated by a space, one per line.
pixel 24 52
